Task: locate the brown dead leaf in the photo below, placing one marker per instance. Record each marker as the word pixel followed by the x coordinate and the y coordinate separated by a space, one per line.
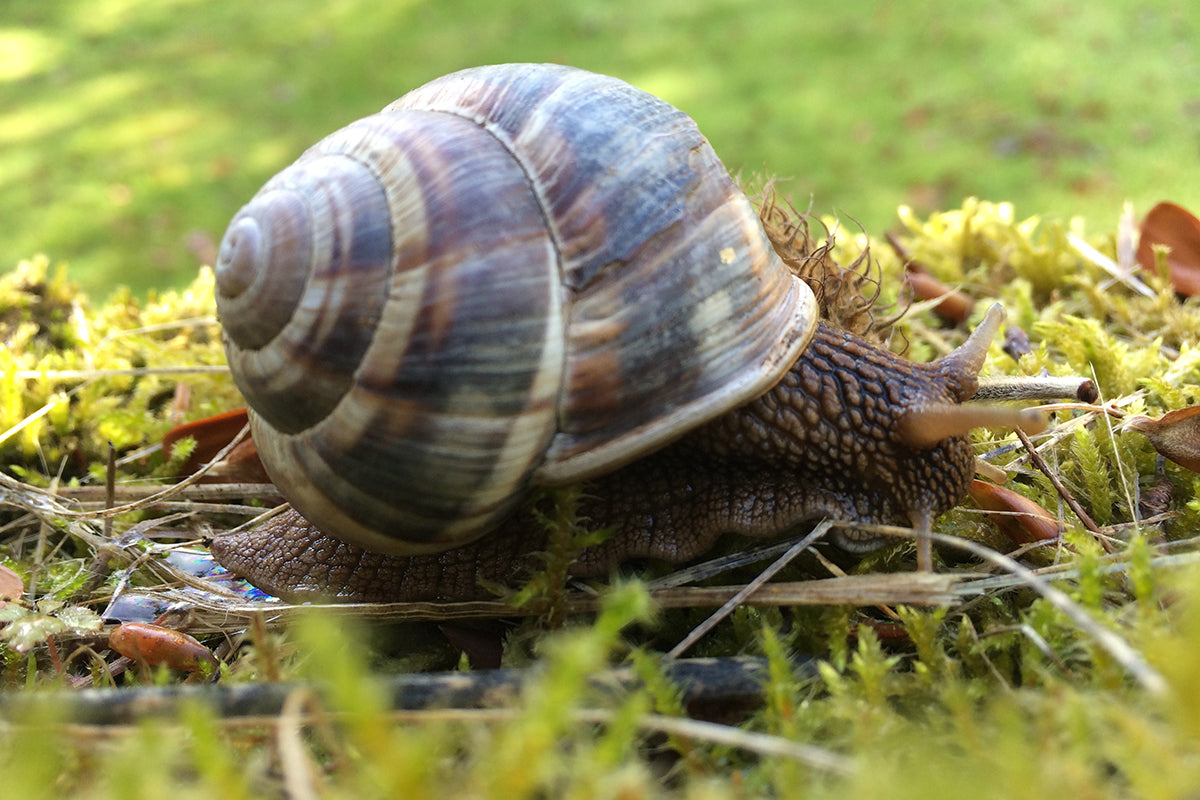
pixel 1177 228
pixel 211 434
pixel 1018 517
pixel 156 645
pixel 11 585
pixel 954 305
pixel 242 465
pixel 1175 435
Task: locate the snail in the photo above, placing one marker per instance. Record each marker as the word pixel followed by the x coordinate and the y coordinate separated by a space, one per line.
pixel 532 275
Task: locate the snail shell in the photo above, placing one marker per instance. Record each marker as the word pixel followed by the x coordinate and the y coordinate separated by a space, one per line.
pixel 513 275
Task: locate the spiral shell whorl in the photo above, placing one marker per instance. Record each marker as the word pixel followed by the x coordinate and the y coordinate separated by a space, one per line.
pixel 311 256
pixel 444 301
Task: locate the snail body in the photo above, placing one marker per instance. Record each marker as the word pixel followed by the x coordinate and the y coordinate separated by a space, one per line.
pixel 533 275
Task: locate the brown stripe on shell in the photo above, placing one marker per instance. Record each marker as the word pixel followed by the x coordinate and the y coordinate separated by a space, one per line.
pixel 379 143
pixel 655 238
pixel 724 347
pixel 455 400
pixel 603 157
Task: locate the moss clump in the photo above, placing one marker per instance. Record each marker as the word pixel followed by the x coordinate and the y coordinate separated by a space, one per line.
pixel 74 378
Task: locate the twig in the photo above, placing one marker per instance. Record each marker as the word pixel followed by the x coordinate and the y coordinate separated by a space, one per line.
pixel 110 483
pixel 132 372
pixel 1114 269
pixel 1040 463
pixel 734 681
pixel 725 610
pixel 754 742
pixel 216 610
pixel 49 505
pixel 202 491
pixel 294 760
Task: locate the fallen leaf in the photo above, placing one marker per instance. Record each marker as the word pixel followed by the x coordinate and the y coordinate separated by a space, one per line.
pixel 27 632
pixel 241 465
pixel 211 434
pixel 27 628
pixel 483 647
pixel 1175 435
pixel 1018 517
pixel 11 585
pixel 154 645
pixel 1177 228
pixel 954 305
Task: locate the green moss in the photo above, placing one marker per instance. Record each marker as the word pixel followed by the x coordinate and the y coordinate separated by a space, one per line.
pixel 74 378
pixel 984 244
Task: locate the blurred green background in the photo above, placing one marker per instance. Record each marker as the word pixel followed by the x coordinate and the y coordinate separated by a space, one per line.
pixel 131 130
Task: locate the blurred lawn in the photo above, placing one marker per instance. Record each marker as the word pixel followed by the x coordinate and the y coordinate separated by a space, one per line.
pixel 131 130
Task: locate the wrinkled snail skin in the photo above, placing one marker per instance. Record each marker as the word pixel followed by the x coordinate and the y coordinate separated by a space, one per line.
pixel 531 275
